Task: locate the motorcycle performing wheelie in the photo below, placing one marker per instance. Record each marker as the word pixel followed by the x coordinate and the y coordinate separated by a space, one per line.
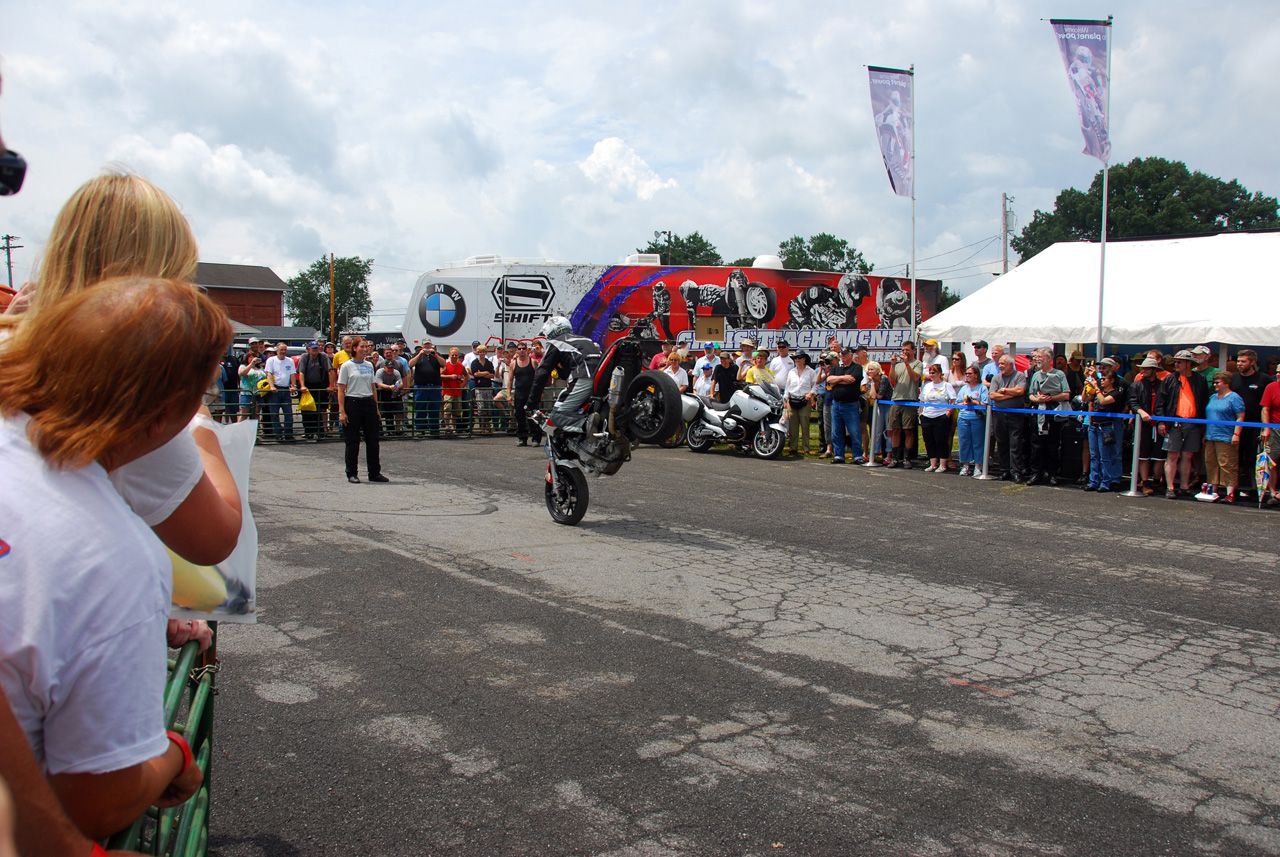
pixel 610 404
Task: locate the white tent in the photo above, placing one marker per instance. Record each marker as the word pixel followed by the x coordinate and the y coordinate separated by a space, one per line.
pixel 1179 291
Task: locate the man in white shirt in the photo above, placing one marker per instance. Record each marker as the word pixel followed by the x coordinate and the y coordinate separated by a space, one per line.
pixel 931 357
pixel 708 358
pixel 281 375
pixel 799 386
pixel 783 365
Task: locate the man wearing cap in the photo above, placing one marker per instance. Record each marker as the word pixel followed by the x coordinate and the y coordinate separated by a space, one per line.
pixel 1249 383
pixel 1142 401
pixel 904 375
pixel 314 368
pixel 1182 396
pixel 1203 368
pixel 726 376
pixel 1009 392
pixel 707 358
pixel 980 359
pixel 931 356
pixel 782 366
pixel 659 360
pixel 844 391
pixel 426 365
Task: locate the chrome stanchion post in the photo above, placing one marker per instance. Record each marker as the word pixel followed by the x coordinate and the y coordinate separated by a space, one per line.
pixel 874 438
pixel 986 447
pixel 1137 450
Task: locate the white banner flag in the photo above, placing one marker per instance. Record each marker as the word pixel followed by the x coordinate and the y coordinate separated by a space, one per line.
pixel 891 104
pixel 1084 53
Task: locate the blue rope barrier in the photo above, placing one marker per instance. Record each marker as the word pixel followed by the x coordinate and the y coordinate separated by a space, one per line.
pixel 1055 413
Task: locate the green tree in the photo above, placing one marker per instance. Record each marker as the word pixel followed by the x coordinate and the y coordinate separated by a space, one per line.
pixel 691 249
pixel 822 252
pixel 307 300
pixel 947 298
pixel 1149 197
pixel 744 262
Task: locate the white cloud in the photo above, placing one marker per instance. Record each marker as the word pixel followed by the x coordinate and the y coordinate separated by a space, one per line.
pixel 614 164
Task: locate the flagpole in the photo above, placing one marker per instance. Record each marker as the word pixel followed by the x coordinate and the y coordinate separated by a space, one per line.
pixel 914 161
pixel 1106 174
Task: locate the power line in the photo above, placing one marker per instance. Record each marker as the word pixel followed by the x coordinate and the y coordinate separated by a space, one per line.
pixel 939 255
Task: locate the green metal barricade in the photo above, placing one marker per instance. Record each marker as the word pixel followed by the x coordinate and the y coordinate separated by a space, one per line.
pixel 182 831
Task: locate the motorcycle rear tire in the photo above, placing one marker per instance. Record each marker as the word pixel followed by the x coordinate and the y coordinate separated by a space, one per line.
pixel 768 442
pixel 761 303
pixel 699 441
pixel 654 406
pixel 676 439
pixel 568 508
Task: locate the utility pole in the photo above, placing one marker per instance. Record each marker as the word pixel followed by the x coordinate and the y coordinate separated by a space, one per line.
pixel 658 234
pixel 1005 199
pixel 9 247
pixel 332 333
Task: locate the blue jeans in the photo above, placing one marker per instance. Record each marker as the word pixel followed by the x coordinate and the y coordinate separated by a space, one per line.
pixel 972 437
pixel 426 409
pixel 280 407
pixel 845 417
pixel 1104 459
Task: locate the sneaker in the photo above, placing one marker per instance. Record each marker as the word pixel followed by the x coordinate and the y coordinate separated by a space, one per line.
pixel 379 478
pixel 859 460
pixel 929 469
pixel 967 470
pixel 908 464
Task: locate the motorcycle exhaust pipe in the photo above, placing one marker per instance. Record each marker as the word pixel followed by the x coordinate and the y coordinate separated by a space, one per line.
pixel 615 396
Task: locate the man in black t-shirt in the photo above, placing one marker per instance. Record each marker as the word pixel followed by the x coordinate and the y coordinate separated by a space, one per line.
pixel 844 391
pixel 482 374
pixel 1250 383
pixel 425 366
pixel 726 376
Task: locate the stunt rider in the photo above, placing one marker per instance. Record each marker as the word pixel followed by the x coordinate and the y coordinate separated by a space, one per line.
pixel 575 358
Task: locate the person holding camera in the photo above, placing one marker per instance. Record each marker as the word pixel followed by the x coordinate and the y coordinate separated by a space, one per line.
pixel 252 372
pixel 426 365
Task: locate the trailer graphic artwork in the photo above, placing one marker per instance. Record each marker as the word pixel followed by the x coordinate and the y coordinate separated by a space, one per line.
pixel 506 301
pixel 443 310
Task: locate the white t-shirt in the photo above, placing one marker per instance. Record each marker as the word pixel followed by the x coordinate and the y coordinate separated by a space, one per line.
pixel 781 367
pixel 281 369
pixel 82 618
pixel 703 384
pixel 157 483
pixel 939 392
pixel 358 379
pixel 681 376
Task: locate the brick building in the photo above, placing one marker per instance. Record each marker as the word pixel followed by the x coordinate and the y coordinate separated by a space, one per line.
pixel 252 294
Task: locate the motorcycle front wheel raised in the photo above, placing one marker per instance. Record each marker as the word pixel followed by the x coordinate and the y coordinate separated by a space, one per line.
pixel 569 504
pixel 768 442
pixel 653 406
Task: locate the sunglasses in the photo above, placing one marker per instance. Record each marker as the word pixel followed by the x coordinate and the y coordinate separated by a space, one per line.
pixel 13 169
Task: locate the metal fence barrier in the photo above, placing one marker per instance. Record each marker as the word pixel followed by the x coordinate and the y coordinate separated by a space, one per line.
pixel 420 413
pixel 183 830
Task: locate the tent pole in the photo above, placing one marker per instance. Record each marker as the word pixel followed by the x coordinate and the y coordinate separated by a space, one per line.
pixel 914 177
pixel 986 447
pixel 1137 448
pixel 1106 172
pixel 1102 256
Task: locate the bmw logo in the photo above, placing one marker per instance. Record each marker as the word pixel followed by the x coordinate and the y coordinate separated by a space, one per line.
pixel 443 310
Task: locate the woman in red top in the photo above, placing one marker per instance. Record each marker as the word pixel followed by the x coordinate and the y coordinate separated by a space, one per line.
pixel 453 377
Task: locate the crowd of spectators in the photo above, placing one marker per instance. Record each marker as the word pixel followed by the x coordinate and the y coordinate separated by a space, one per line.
pixel 1061 420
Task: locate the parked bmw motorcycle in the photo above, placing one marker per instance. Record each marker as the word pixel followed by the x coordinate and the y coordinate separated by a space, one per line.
pixel 752 416
pixel 628 405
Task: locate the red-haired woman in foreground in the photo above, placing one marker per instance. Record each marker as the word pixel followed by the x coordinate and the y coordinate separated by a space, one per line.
pixel 84 598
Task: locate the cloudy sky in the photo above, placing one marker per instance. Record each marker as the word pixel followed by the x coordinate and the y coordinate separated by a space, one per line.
pixel 420 133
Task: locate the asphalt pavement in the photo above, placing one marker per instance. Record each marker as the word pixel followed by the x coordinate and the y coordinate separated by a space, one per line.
pixel 743 657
